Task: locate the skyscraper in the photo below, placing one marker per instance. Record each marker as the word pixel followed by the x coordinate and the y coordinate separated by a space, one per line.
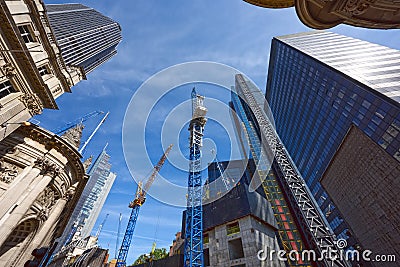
pixel 86 37
pixel 32 71
pixel 321 84
pixel 45 54
pixel 92 198
pixel 100 182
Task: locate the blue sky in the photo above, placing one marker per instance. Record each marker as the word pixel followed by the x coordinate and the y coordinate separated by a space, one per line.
pixel 158 34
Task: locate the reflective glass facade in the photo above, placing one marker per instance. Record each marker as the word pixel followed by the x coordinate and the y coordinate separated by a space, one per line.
pixel 92 198
pixel 86 37
pixel 319 84
pixel 96 191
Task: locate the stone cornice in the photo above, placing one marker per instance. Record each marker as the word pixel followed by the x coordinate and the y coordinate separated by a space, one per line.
pixel 32 102
pixel 324 14
pixel 23 59
pixel 53 141
pixel 272 3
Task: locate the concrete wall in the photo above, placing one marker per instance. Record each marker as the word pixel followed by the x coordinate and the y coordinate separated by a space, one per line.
pixel 363 182
pixel 254 236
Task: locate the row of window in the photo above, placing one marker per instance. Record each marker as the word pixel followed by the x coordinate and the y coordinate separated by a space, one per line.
pixel 331 99
pixel 7 88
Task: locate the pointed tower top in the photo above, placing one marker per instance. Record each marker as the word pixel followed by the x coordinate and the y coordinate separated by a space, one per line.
pixel 88 162
pixel 74 135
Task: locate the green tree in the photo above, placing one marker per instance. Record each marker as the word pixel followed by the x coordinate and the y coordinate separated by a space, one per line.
pixel 159 253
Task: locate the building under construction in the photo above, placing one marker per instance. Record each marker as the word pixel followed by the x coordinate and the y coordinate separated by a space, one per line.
pixel 262 203
pixel 237 225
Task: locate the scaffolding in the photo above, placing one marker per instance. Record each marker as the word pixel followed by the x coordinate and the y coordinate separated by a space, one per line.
pixel 311 223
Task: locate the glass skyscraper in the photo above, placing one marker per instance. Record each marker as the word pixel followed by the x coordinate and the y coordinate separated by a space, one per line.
pixel 86 37
pixel 96 191
pixel 92 199
pixel 319 85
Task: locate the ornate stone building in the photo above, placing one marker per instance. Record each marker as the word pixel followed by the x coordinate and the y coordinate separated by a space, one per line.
pixel 41 181
pixel 32 71
pixel 324 14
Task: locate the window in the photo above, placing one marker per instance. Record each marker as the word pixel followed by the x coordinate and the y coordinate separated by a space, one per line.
pixel 235 248
pixel 26 33
pixel 43 70
pixel 206 254
pixel 366 104
pixel 206 239
pixel 6 88
pixel 397 155
pixel 232 228
pixel 396 124
pixel 383 143
pixel 388 138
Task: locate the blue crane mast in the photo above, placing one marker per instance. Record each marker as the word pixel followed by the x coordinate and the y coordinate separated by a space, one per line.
pixel 193 253
pixel 140 198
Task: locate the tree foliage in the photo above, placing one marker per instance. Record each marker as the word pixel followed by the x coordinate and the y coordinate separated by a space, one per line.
pixel 159 253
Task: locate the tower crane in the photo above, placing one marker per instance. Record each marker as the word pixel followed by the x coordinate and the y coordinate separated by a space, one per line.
pixel 101 226
pixel 140 198
pixel 193 253
pixel 81 120
pixel 225 179
pixel 73 123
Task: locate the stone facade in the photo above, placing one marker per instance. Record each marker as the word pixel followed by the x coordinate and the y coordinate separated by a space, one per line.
pixel 41 181
pixel 240 248
pixel 363 182
pixel 324 14
pixel 177 245
pixel 272 3
pixel 32 71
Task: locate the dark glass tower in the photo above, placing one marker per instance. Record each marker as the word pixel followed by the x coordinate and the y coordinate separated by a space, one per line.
pixel 319 85
pixel 86 37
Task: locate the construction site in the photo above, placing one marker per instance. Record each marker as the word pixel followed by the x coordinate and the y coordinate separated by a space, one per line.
pixel 212 170
pixel 234 210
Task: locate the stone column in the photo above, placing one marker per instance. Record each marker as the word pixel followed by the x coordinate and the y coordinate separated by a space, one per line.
pixel 17 188
pixel 44 235
pixel 12 218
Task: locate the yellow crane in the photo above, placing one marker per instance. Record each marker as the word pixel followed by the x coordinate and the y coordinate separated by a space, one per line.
pixel 140 198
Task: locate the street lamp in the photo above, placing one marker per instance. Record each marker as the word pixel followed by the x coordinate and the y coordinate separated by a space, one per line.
pixel 23 123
